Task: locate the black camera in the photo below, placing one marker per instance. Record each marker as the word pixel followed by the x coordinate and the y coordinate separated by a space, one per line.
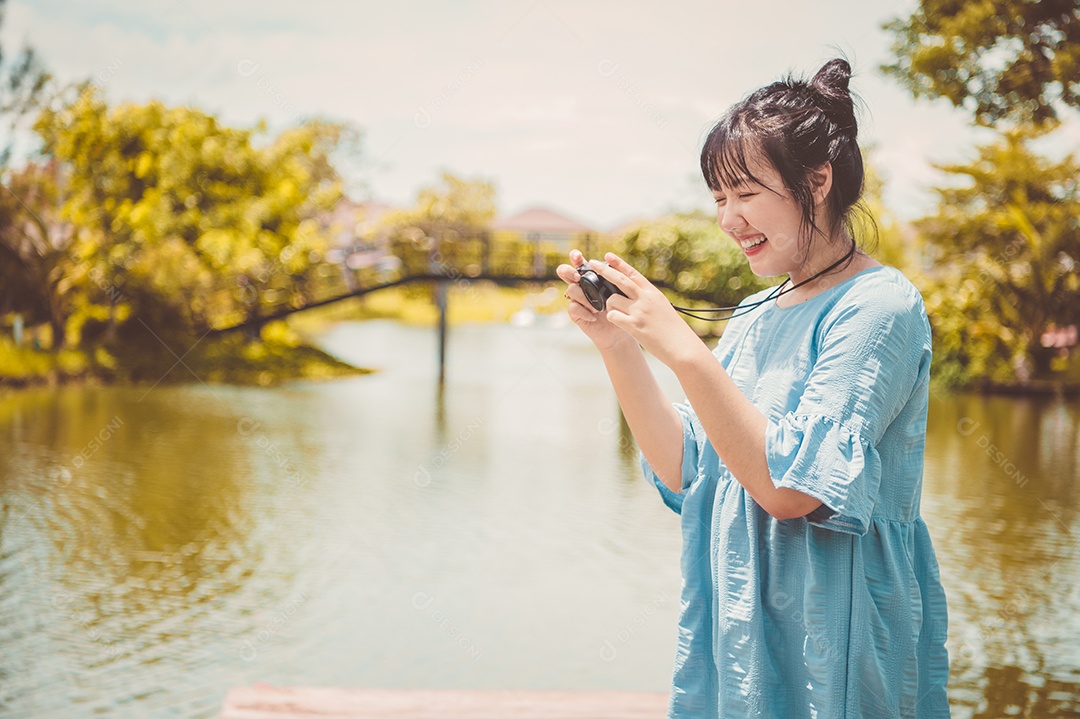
pixel 596 288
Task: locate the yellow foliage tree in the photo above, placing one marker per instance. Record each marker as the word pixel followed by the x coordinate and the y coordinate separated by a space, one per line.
pixel 1007 243
pixel 190 222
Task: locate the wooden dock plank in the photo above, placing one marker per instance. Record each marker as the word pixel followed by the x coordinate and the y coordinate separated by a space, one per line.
pixel 264 701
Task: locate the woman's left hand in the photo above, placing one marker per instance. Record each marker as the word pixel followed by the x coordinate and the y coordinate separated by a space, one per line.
pixel 645 314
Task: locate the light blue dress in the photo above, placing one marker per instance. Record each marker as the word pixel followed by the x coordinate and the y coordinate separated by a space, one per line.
pixel 839 614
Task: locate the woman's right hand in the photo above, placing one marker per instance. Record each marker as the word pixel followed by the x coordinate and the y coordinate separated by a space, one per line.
pixel 592 322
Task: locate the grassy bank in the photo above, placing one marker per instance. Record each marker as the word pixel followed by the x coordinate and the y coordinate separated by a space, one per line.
pixel 279 354
pixel 283 351
pixel 23 366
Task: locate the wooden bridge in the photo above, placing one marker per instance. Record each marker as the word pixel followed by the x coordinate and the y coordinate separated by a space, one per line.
pixel 441 279
pixel 263 701
pixel 437 278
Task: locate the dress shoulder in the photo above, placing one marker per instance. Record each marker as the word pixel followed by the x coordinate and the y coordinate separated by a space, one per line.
pixel 881 298
pixel 885 288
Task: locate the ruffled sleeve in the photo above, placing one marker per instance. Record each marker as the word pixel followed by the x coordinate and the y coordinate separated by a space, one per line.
pixel 674 500
pixel 818 456
pixel 870 357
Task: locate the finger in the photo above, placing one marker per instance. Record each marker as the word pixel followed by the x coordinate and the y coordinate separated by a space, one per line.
pixel 575 294
pixel 616 277
pixel 567 273
pixel 581 314
pixel 624 267
pixel 617 318
pixel 617 303
pixel 576 258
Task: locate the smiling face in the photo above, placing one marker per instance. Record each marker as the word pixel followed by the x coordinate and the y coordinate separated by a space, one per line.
pixel 765 221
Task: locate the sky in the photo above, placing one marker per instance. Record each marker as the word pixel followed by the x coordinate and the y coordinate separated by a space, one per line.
pixel 594 108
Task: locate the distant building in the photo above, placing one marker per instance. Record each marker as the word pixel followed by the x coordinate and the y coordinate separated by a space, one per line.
pixel 356 241
pixel 537 235
pixel 371 214
pixel 355 223
pixel 547 224
pixel 549 231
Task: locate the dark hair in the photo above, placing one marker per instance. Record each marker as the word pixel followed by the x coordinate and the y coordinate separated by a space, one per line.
pixel 797 126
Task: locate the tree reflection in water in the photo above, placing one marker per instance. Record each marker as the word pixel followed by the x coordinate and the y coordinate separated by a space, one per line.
pixel 1001 502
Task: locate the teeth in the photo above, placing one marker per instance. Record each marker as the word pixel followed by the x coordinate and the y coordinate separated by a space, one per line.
pixel 751 244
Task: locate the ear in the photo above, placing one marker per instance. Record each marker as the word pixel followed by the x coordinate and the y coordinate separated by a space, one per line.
pixel 821 183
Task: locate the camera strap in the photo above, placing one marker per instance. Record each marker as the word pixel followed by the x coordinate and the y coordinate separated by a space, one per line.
pixel 778 291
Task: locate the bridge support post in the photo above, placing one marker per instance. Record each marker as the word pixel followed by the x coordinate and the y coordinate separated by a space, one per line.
pixel 440 302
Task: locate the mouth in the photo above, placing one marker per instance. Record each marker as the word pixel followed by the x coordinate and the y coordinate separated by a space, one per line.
pixel 750 245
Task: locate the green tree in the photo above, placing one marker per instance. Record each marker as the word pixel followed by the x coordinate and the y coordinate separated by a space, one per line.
pixel 26 252
pixel 879 231
pixel 36 271
pixel 22 83
pixel 1008 243
pixel 1012 60
pixel 446 216
pixel 690 254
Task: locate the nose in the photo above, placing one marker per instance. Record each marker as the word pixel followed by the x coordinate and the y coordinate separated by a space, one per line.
pixel 730 219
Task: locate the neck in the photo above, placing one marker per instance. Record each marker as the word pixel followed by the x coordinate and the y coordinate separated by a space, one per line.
pixel 830 257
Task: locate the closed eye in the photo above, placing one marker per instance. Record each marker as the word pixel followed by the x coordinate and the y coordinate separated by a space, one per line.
pixel 742 196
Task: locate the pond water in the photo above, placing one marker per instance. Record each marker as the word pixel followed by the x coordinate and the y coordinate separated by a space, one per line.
pixel 159 545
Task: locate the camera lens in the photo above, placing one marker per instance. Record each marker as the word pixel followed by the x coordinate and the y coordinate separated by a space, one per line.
pixel 590 285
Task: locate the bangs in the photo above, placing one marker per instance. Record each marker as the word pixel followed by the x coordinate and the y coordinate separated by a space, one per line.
pixel 724 156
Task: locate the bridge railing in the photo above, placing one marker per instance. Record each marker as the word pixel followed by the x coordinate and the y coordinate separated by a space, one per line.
pixel 360 270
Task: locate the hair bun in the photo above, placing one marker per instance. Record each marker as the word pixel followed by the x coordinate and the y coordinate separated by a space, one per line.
pixel 830 84
pixel 833 76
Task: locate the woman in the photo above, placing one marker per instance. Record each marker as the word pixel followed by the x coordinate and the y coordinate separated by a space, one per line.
pixel 810 584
